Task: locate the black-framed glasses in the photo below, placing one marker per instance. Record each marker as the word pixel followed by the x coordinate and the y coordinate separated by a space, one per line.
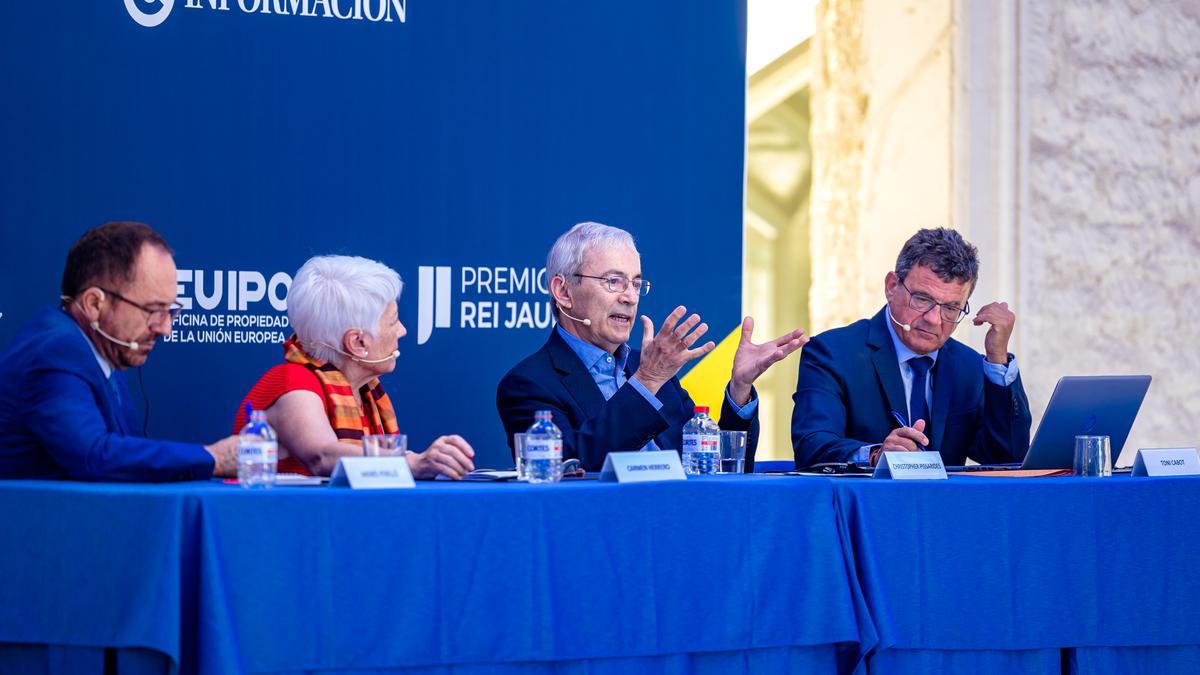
pixel 153 314
pixel 617 283
pixel 923 303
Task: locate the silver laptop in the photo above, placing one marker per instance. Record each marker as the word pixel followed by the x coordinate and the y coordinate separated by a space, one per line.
pixel 1102 405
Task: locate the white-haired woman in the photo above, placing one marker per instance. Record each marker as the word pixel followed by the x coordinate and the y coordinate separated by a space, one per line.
pixel 326 394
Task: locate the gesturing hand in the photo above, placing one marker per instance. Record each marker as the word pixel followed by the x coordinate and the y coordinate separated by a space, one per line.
pixel 665 352
pixel 751 360
pixel 995 343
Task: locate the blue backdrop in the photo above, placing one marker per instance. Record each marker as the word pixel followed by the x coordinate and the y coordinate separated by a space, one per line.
pixel 451 140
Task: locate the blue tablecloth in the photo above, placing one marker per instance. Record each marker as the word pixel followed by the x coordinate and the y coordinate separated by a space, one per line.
pixel 997 574
pixel 726 574
pixel 716 575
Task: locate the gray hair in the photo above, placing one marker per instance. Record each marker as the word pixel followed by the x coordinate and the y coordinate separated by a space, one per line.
pixel 332 294
pixel 568 253
pixel 943 251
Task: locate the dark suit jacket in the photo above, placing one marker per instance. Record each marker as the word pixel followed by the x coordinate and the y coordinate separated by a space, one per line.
pixel 59 416
pixel 850 382
pixel 554 378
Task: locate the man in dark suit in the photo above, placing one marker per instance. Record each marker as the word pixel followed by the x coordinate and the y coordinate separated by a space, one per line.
pixel 605 396
pixel 952 399
pixel 65 408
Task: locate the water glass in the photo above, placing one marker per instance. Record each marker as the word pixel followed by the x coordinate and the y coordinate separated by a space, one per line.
pixel 384 445
pixel 733 451
pixel 519 454
pixel 1093 456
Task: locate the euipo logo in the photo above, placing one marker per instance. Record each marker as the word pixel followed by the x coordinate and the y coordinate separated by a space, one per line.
pixel 495 297
pixel 152 19
pixel 231 307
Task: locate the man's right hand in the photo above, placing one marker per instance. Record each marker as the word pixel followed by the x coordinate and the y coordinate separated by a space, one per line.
pixel 664 353
pixel 903 439
pixel 225 456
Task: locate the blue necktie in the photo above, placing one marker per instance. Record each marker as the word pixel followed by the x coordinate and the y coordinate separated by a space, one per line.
pixel 116 388
pixel 918 407
pixel 119 412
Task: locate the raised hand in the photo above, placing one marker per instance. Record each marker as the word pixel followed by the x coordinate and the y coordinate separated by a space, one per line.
pixel 665 352
pixel 995 344
pixel 752 360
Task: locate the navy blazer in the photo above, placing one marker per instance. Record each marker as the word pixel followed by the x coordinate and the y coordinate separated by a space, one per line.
pixel 850 382
pixel 60 418
pixel 554 378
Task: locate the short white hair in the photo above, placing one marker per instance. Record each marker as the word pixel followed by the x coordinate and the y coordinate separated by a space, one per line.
pixel 568 253
pixel 332 294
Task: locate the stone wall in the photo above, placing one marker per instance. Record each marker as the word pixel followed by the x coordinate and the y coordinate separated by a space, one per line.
pixel 1109 238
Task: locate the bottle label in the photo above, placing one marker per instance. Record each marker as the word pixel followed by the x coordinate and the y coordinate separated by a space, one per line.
pixel 701 443
pixel 550 448
pixel 260 452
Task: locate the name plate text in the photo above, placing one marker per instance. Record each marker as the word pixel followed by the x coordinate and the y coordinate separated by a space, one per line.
pixel 1166 462
pixel 911 466
pixel 642 467
pixel 372 473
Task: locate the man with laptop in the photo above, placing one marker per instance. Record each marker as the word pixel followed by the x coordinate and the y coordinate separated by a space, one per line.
pixel 898 382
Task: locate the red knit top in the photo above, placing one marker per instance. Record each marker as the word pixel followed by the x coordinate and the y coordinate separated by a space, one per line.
pixel 274 383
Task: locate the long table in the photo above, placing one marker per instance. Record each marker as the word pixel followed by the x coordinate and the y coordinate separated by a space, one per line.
pixel 712 576
pixel 721 574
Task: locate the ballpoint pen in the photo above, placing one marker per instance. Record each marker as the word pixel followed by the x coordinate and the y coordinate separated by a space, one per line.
pixel 904 423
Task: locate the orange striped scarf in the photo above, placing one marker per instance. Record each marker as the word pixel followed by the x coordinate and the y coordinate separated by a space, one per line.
pixel 349 420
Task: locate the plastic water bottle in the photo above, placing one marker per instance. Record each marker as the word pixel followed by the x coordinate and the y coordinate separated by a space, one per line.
pixel 543 450
pixel 701 444
pixel 258 451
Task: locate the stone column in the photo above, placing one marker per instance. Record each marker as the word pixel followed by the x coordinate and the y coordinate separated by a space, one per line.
pixel 838 110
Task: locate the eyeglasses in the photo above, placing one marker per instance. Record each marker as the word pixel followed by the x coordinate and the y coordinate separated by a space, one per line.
pixel 617 283
pixel 923 303
pixel 153 314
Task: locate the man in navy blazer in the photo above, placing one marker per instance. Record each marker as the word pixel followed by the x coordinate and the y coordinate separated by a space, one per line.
pixel 898 382
pixel 65 408
pixel 605 396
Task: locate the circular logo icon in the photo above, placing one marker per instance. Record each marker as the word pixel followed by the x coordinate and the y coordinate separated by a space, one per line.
pixel 149 20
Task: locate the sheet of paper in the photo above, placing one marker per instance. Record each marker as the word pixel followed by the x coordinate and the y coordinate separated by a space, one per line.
pixel 1016 473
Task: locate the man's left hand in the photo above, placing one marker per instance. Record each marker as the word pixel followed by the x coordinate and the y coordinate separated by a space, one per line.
pixel 1002 320
pixel 751 360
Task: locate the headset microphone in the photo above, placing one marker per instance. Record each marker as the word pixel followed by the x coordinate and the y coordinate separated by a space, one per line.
pixel 586 322
pixel 131 345
pixel 905 326
pixel 389 357
pixel 96 327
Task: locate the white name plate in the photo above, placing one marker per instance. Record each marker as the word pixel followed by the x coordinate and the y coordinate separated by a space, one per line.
pixel 642 467
pixel 372 473
pixel 1166 462
pixel 911 466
